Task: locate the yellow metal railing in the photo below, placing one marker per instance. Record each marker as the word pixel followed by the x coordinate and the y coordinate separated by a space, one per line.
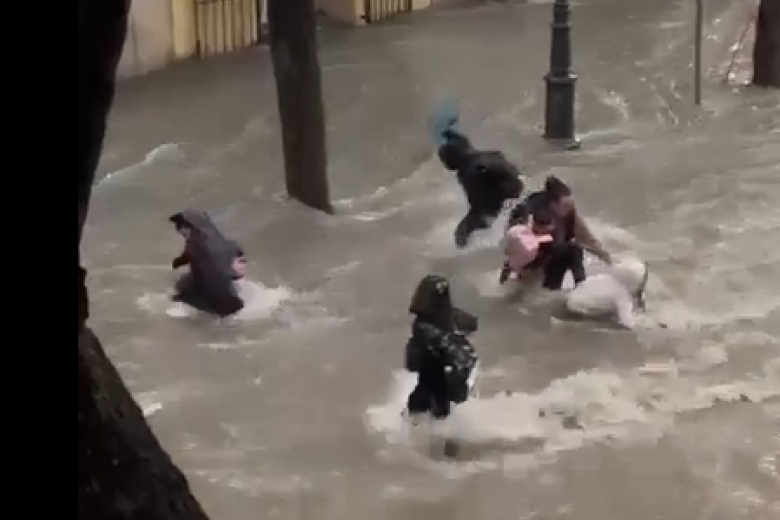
pixel 377 10
pixel 223 26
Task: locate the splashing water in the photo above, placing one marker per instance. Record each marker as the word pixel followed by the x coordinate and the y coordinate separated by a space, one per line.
pixel 260 302
pixel 601 405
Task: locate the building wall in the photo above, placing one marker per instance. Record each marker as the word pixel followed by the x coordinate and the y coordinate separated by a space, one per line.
pixel 149 43
pixel 422 4
pixel 162 31
pixel 352 11
pixel 347 11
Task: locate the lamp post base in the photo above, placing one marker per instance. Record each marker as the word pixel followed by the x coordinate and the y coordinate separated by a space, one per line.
pixel 560 107
pixel 568 144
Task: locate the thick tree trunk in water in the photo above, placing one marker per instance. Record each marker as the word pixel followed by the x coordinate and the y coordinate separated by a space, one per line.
pixel 766 53
pixel 292 31
pixel 124 474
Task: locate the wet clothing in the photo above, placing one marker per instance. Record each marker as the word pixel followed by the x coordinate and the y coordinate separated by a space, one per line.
pixel 562 257
pixel 208 286
pixel 524 247
pixel 443 359
pixel 521 213
pixel 455 149
pixel 488 180
pixel 185 258
pixel 472 221
pixel 557 257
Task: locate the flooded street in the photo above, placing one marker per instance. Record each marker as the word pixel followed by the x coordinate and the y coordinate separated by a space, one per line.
pixel 291 410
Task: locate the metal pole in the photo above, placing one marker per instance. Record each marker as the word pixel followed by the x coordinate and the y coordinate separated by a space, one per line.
pixel 561 81
pixel 697 59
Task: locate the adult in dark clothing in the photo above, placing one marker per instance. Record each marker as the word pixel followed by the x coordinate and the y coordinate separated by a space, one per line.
pixel 531 246
pixel 439 350
pixel 215 263
pixel 487 178
pixel 193 224
pixel 123 472
pixel 572 234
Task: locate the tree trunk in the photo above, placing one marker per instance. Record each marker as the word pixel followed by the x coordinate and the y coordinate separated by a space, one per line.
pixel 766 52
pixel 124 474
pixel 292 31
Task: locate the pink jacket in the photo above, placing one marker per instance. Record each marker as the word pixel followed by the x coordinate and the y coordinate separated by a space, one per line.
pixel 522 245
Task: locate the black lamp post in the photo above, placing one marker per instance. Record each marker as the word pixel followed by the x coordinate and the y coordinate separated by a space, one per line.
pixel 560 95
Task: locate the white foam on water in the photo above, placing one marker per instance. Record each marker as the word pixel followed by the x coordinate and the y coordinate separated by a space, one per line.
pixel 294 311
pixel 160 303
pixel 372 216
pixel 240 343
pixel 260 302
pixel 486 283
pixel 427 177
pixel 164 152
pixel 348 203
pixel 440 241
pixel 607 405
pixel 179 310
pixel 153 401
pixel 769 465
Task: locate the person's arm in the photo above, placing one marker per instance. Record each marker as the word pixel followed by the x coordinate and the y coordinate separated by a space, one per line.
pixel 181 260
pixel 587 241
pixel 465 321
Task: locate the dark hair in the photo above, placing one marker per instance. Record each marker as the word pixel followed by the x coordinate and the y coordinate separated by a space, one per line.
pixel 431 298
pixel 455 151
pixel 543 217
pixel 556 189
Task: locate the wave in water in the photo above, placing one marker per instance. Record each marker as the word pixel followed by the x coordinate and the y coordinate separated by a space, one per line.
pixel 260 302
pixel 164 152
pixel 584 408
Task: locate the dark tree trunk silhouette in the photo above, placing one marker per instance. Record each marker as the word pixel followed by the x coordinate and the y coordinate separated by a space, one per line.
pixel 124 473
pixel 292 32
pixel 766 52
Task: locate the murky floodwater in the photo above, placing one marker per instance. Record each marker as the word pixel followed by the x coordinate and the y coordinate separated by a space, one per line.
pixel 291 411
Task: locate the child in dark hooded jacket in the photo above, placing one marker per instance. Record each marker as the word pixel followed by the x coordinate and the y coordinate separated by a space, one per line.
pixel 439 350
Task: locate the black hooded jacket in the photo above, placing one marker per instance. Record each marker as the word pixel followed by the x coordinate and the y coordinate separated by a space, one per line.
pixel 487 177
pixel 442 356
